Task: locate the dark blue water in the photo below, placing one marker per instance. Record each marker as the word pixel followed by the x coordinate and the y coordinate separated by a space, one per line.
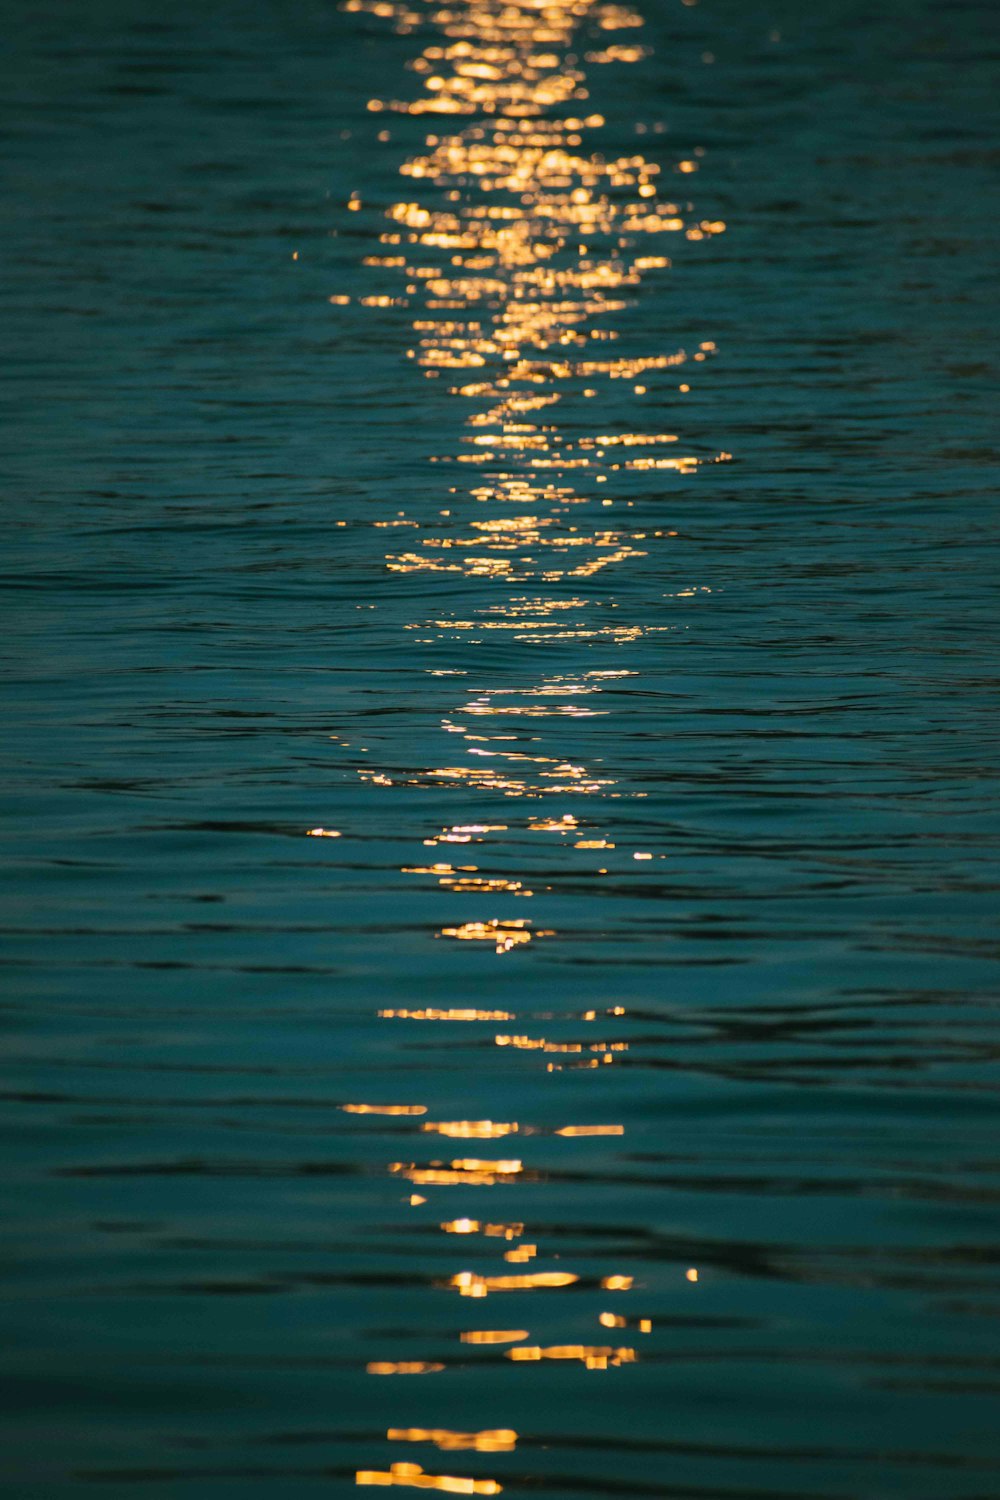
pixel 501 779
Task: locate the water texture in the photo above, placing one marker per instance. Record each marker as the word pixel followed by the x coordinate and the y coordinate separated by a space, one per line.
pixel 501 808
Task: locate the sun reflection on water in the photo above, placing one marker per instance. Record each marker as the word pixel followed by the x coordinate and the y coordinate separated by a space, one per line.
pixel 517 248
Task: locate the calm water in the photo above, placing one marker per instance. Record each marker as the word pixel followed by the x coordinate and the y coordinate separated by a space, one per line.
pixel 501 852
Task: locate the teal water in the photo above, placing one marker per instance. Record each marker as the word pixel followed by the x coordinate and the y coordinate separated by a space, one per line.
pixel 500 797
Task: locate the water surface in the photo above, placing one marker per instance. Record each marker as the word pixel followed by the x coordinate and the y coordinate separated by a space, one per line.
pixel 501 780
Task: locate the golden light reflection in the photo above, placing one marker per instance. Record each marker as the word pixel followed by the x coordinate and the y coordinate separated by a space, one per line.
pixel 466 1171
pixel 593 1356
pixel 470 1284
pixel 413 1476
pixel 475 1226
pixel 541 1044
pixel 383 1109
pixel 493 1440
pixel 503 934
pixel 493 1335
pixel 432 1013
pixel 520 240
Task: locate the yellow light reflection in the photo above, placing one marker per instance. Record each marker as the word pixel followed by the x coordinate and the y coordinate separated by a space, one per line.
pixel 523 231
pixel 433 1014
pixel 504 935
pixel 413 1476
pixel 493 1440
pixel 383 1109
pixel 593 1356
pixel 470 1284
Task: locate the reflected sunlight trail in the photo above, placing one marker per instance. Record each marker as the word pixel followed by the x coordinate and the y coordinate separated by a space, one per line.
pixel 516 246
